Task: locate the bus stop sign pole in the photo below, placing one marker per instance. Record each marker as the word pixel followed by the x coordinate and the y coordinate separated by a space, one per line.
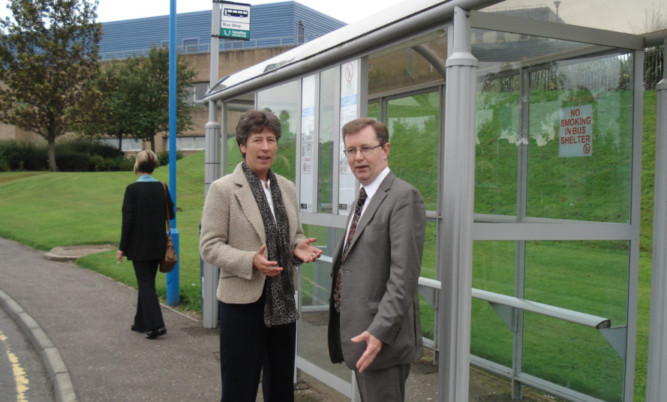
pixel 173 282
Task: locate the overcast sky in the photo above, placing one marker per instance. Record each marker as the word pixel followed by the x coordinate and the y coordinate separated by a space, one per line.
pixel 114 10
pixel 621 15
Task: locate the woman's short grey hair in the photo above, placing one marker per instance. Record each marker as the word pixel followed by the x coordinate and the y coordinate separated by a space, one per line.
pixel 145 162
pixel 257 121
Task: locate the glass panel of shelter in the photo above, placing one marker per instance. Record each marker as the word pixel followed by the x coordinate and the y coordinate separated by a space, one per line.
pixel 283 101
pixel 328 130
pixel 554 145
pixel 232 113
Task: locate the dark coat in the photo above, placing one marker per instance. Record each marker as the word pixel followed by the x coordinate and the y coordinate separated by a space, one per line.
pixel 143 235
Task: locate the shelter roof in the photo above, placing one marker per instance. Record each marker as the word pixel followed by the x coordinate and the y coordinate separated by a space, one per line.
pixel 409 18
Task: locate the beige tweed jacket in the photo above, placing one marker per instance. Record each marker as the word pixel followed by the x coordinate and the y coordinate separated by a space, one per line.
pixel 232 231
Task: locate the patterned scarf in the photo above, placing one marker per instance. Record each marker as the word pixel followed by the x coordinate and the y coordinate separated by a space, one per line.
pixel 279 303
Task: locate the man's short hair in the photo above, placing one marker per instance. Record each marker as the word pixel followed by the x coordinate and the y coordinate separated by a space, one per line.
pixel 356 125
pixel 257 121
pixel 145 162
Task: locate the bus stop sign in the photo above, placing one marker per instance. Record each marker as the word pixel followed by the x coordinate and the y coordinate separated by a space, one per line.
pixel 234 20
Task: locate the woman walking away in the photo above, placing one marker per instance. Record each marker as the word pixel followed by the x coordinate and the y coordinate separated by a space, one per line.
pixel 146 206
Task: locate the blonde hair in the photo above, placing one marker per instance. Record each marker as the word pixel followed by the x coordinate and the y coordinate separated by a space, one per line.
pixel 145 162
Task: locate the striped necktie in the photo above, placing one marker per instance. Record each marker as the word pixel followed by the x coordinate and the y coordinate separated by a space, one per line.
pixel 348 240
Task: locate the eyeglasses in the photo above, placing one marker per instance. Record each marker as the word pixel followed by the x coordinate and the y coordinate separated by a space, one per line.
pixel 365 150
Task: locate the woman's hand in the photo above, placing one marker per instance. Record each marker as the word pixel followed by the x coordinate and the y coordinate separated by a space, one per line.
pixel 307 252
pixel 119 256
pixel 268 268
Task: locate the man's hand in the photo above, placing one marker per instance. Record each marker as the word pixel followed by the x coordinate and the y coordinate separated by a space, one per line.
pixel 119 256
pixel 268 268
pixel 373 347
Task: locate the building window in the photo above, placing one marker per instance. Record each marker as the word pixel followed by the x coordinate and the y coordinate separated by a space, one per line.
pixel 126 144
pixel 191 45
pixel 196 143
pixel 196 91
pixel 301 32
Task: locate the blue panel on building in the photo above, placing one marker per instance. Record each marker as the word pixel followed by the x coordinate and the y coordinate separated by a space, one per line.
pixel 274 24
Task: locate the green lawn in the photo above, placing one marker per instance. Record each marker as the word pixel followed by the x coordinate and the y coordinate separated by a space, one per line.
pixel 44 210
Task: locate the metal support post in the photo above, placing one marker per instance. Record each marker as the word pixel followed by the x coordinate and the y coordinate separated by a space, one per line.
pixel 209 273
pixel 656 386
pixel 173 277
pixel 455 227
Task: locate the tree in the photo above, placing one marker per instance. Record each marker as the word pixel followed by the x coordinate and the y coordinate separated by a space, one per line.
pixel 654 19
pixel 145 86
pixel 49 52
pixel 111 111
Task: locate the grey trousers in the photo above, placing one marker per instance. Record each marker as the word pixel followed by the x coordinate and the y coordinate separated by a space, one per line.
pixel 385 385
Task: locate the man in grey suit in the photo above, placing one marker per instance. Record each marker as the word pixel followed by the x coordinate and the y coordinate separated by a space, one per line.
pixel 374 324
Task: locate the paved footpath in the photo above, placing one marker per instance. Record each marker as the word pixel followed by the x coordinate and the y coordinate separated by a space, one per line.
pixel 82 329
pixel 79 322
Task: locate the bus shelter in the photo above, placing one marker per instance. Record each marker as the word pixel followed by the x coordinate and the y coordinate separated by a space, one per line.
pixel 523 134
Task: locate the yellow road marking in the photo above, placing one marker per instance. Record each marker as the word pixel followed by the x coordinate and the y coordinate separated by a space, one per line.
pixel 19 374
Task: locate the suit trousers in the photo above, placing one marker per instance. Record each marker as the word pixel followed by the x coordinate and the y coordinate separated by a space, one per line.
pixel 248 346
pixel 149 314
pixel 385 385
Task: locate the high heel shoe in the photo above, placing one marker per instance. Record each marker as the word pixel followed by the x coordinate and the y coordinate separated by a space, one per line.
pixel 152 334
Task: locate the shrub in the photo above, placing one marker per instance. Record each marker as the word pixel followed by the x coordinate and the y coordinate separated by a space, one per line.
pixel 70 161
pixel 15 155
pixel 89 147
pixel 37 159
pixel 119 163
pixel 4 163
pixel 78 155
pixel 97 163
pixel 163 157
pixel 103 150
pixel 72 155
pixel 130 162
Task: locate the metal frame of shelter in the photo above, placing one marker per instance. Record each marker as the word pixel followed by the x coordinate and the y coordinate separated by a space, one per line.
pixel 451 294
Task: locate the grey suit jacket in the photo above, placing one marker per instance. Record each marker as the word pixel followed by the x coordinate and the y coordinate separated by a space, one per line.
pixel 380 277
pixel 232 231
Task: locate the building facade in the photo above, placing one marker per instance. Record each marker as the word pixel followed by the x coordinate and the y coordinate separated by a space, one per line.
pixel 274 29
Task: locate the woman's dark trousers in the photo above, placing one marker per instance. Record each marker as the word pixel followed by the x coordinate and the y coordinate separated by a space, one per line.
pixel 247 347
pixel 149 315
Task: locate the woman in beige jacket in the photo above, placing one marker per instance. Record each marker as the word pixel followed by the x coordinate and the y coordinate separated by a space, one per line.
pixel 251 230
